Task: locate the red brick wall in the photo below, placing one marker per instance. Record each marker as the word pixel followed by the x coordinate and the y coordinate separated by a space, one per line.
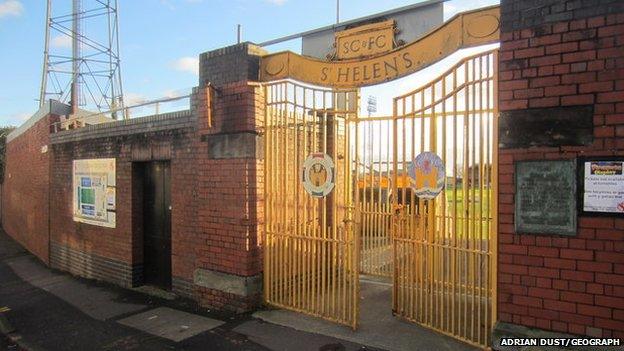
pixel 230 110
pixel 184 221
pixel 113 243
pixel 216 175
pixel 229 222
pixel 215 219
pixel 565 284
pixel 120 249
pixel 26 189
pixel 216 215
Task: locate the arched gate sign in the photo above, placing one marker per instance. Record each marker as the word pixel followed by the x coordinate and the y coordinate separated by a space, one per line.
pixel 464 30
pixel 440 253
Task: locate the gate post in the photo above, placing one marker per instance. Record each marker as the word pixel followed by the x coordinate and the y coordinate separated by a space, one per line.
pixel 229 106
pixel 562 277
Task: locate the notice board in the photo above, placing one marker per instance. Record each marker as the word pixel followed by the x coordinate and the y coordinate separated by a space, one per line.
pixel 94 191
pixel 601 183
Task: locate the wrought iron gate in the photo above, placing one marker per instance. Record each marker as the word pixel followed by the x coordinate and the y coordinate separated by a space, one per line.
pixel 372 155
pixel 441 253
pixel 444 249
pixel 311 252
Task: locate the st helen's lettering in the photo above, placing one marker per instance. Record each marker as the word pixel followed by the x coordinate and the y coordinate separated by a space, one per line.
pixel 389 67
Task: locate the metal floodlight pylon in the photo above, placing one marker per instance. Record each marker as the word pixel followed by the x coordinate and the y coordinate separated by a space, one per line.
pixel 371 105
pixel 88 76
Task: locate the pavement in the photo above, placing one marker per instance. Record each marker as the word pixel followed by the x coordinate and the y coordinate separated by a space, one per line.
pixel 52 310
pixel 377 326
pixel 49 310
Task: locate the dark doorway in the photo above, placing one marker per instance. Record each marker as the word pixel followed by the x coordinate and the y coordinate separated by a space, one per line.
pixel 157 224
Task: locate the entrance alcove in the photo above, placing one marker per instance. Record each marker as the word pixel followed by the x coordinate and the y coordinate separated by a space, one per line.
pixel 372 253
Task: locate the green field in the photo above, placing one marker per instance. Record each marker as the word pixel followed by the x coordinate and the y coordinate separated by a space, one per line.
pixel 473 206
pixel 477 210
pixel 478 213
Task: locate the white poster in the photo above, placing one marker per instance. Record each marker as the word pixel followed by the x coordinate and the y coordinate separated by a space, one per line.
pixel 604 187
pixel 94 191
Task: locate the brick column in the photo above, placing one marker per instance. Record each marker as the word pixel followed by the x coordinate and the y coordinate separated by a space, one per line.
pixel 229 105
pixel 561 95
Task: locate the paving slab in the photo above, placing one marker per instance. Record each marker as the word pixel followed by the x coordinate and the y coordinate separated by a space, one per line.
pixel 96 302
pixel 377 326
pixel 44 321
pixel 170 323
pixel 279 338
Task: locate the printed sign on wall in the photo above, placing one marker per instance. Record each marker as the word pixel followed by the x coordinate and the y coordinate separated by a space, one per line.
pixel 94 191
pixel 603 186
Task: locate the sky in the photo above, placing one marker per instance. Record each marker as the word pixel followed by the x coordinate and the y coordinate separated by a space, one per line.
pixel 160 41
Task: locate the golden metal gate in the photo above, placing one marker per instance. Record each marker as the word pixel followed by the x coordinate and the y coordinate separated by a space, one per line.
pixel 444 249
pixel 372 155
pixel 311 251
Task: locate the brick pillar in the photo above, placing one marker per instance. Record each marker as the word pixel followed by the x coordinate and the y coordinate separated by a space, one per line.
pixel 561 93
pixel 229 105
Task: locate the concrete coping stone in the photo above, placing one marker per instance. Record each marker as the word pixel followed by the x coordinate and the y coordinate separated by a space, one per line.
pixel 229 283
pixel 171 120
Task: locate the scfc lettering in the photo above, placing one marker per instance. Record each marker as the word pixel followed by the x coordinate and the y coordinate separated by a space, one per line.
pixel 356 45
pixel 350 73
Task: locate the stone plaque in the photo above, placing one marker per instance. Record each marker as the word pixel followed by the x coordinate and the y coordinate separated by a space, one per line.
pixel 546 197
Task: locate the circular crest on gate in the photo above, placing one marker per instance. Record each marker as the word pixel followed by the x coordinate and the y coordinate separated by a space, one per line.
pixel 318 174
pixel 427 175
